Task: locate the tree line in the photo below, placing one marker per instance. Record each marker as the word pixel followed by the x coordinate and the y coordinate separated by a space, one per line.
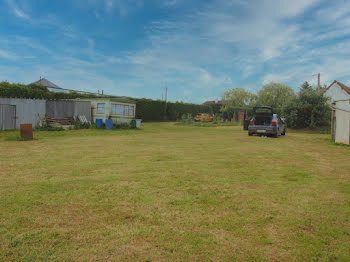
pixel 307 108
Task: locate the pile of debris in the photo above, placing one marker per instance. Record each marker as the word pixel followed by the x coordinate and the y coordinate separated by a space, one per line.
pixel 60 122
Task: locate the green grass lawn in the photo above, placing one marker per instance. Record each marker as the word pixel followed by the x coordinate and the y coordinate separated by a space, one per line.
pixel 173 193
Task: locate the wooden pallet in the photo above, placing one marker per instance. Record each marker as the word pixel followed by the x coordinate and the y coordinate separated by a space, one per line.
pixel 60 122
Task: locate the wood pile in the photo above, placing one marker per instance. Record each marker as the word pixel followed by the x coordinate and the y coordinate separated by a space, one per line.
pixel 60 122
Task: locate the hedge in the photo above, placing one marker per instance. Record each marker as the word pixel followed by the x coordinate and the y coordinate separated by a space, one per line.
pixel 33 91
pixel 157 110
pixel 146 109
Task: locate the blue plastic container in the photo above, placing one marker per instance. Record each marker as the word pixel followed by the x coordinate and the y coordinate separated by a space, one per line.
pixel 99 123
pixel 109 124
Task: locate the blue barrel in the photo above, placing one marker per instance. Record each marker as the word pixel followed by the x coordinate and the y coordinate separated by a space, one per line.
pixel 99 122
pixel 109 124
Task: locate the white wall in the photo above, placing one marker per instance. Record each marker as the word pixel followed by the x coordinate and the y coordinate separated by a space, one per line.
pixel 342 126
pixel 335 92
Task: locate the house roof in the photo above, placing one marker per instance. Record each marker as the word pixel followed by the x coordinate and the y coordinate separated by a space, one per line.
pixel 211 102
pixel 344 87
pixel 105 99
pixel 47 83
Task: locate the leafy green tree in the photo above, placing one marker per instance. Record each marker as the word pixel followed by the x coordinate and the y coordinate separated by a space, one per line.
pixel 307 109
pixel 275 95
pixel 237 97
pixel 306 87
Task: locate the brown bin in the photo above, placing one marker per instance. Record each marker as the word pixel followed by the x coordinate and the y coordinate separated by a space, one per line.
pixel 26 131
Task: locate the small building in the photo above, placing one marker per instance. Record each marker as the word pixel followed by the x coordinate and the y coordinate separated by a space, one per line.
pixel 339 100
pixel 51 86
pixel 55 88
pixel 17 111
pixel 120 110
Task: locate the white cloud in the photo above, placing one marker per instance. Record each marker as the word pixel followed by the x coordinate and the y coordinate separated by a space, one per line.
pixel 7 55
pixel 123 7
pixel 13 57
pixel 206 80
pixel 169 2
pixel 206 49
pixel 16 10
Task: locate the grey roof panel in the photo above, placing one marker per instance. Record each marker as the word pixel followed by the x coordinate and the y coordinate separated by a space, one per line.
pixel 47 83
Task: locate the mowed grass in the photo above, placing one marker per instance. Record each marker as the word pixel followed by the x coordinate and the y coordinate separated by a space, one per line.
pixel 173 193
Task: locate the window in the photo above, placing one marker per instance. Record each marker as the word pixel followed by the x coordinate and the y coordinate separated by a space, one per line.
pixel 126 110
pixel 117 109
pixel 123 110
pixel 131 110
pixel 100 108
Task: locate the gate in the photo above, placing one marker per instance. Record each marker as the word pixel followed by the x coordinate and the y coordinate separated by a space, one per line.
pixel 7 117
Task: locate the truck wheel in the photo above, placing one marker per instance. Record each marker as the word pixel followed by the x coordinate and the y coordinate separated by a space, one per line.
pixel 250 134
pixel 275 135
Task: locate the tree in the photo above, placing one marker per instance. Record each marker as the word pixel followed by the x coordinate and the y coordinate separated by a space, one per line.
pixel 275 95
pixel 308 109
pixel 306 87
pixel 237 97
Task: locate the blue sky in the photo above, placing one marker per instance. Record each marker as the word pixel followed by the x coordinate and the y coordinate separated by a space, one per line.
pixel 198 49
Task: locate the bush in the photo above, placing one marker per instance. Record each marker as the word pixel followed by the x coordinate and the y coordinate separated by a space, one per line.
pixel 156 110
pixel 80 125
pixel 308 110
pixel 44 126
pixel 49 128
pixel 122 126
pixel 187 119
pixel 146 109
pixel 33 91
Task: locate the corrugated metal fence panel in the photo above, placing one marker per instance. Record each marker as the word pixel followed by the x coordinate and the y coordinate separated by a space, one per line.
pixel 7 117
pixel 28 111
pixel 59 109
pixel 1 128
pixel 62 109
pixel 32 111
pixel 83 108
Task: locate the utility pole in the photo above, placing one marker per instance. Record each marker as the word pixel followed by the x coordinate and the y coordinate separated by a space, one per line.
pixel 318 82
pixel 166 94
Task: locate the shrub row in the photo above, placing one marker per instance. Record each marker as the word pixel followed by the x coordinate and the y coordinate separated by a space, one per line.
pixel 156 110
pixel 146 109
pixel 33 91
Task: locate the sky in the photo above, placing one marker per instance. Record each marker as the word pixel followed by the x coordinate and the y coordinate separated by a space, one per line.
pixel 198 49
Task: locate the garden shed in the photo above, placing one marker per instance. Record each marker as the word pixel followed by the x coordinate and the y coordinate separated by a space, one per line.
pixel 339 100
pixel 17 111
